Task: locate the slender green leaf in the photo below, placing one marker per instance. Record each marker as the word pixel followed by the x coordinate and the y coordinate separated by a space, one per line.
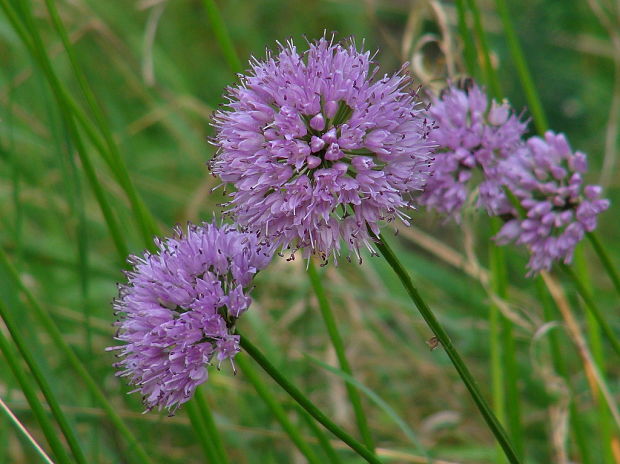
pixel 44 385
pixel 410 434
pixel 334 335
pixel 24 432
pixel 305 403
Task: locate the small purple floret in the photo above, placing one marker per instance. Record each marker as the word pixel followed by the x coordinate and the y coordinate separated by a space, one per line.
pixel 317 151
pixel 472 134
pixel 557 208
pixel 178 310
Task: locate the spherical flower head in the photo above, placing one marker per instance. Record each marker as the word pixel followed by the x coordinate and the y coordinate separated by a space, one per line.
pixel 473 134
pixel 318 151
pixel 557 209
pixel 179 307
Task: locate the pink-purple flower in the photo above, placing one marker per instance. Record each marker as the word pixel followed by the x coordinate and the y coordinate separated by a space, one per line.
pixel 318 150
pixel 473 135
pixel 557 208
pixel 178 310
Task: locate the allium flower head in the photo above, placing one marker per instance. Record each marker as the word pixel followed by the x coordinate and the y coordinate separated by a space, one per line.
pixel 178 310
pixel 473 133
pixel 557 208
pixel 319 151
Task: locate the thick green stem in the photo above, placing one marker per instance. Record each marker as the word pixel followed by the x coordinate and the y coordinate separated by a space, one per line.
pixel 605 259
pixel 336 339
pixel 305 403
pixel 592 307
pixel 442 336
pixel 497 372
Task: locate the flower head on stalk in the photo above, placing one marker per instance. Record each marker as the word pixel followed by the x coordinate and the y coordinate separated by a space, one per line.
pixel 473 133
pixel 318 150
pixel 557 209
pixel 178 310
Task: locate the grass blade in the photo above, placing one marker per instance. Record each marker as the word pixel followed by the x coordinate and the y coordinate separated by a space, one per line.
pixel 337 343
pixel 491 78
pixel 211 426
pixel 277 410
pixel 592 307
pixel 531 94
pixel 598 383
pixel 24 432
pixel 57 338
pixel 469 47
pixel 44 385
pixel 605 259
pixel 492 422
pixel 327 447
pixel 23 378
pixel 205 440
pixel 31 43
pixel 578 428
pixel 392 414
pixel 503 353
pixel 144 218
pixel 305 403
pixel 594 337
pixel 222 36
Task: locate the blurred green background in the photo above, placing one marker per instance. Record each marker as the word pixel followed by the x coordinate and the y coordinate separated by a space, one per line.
pixel 157 70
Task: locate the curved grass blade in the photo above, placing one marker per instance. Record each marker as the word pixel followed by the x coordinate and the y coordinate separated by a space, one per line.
pixel 592 307
pixel 277 410
pixel 327 447
pixel 115 161
pixel 380 402
pixel 305 403
pixel 605 259
pixel 338 344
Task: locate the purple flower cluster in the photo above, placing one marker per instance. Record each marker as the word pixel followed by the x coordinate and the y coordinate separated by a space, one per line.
pixel 318 151
pixel 472 134
pixel 179 308
pixel 545 176
pixel 479 136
